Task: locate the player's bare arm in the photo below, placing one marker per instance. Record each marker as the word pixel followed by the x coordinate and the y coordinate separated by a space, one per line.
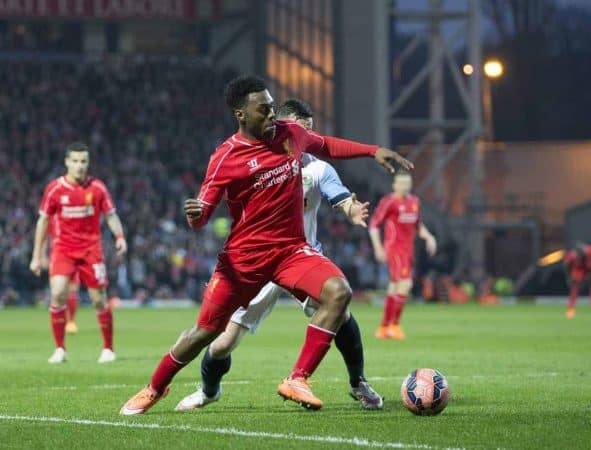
pixel 38 246
pixel 116 228
pixel 378 247
pixel 430 240
pixel 44 258
pixel 356 211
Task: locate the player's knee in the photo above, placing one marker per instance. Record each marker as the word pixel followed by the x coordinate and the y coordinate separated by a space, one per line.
pixel 98 297
pixel 99 303
pixel 220 348
pixel 392 288
pixel 58 298
pixel 404 287
pixel 337 292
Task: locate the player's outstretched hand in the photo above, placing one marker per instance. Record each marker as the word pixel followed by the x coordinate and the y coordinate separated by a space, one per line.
pixel 358 212
pixel 193 208
pixel 385 156
pixel 35 266
pixel 121 246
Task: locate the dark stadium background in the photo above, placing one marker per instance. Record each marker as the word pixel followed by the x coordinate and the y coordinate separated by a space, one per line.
pixel 142 85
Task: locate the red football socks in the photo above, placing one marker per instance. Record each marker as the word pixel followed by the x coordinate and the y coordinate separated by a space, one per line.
pixel 574 293
pixel 58 324
pixel 399 302
pixel 315 347
pixel 105 320
pixel 72 304
pixel 388 310
pixel 165 372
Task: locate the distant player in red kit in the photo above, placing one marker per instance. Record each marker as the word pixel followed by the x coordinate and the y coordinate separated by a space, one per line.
pixel 76 201
pixel 73 291
pixel 258 171
pixel 399 214
pixel 578 265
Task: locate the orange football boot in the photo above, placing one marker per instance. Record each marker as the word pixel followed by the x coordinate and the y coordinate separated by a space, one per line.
pixel 397 332
pixel 142 401
pixel 298 390
pixel 383 333
pixel 570 313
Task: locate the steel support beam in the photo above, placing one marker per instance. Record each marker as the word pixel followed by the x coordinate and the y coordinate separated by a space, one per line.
pixel 433 128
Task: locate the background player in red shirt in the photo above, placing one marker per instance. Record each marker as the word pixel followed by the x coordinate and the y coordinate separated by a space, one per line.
pixel 399 214
pixel 77 200
pixel 578 266
pixel 74 289
pixel 257 170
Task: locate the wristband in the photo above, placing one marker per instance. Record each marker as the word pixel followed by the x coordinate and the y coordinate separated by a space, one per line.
pixel 119 236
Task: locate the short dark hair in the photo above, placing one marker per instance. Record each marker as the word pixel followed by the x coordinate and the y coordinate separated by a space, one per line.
pixel 295 106
pixel 76 147
pixel 237 90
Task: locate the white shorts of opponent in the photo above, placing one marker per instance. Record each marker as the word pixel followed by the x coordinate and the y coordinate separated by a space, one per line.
pixel 260 307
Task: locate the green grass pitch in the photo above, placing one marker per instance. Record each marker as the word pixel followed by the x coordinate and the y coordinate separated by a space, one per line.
pixel 520 379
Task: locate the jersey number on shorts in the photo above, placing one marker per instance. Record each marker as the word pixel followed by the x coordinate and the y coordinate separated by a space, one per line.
pixel 100 273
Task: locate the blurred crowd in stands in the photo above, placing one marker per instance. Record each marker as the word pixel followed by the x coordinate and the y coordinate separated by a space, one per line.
pixel 151 127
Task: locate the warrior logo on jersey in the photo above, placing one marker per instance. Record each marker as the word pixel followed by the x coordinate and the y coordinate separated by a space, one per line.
pixel 253 164
pixel 64 199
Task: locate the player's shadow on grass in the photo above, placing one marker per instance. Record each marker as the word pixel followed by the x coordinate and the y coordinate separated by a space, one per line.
pixel 350 410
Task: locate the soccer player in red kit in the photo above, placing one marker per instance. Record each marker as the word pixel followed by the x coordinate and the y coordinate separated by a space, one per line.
pixel 77 201
pixel 399 214
pixel 258 171
pixel 73 291
pixel 578 265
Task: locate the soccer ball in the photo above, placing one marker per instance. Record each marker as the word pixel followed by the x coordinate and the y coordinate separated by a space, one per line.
pixel 425 392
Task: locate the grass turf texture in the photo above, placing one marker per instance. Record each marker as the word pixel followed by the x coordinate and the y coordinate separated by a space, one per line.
pixel 520 378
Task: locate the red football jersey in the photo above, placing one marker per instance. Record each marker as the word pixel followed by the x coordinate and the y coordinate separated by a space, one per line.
pixel 576 263
pixel 400 217
pixel 262 183
pixel 74 212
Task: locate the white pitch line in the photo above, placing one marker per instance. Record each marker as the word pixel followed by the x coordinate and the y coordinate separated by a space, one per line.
pixel 336 440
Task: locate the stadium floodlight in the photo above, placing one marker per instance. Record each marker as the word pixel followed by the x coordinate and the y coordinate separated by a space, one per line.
pixel 493 68
pixel 468 69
